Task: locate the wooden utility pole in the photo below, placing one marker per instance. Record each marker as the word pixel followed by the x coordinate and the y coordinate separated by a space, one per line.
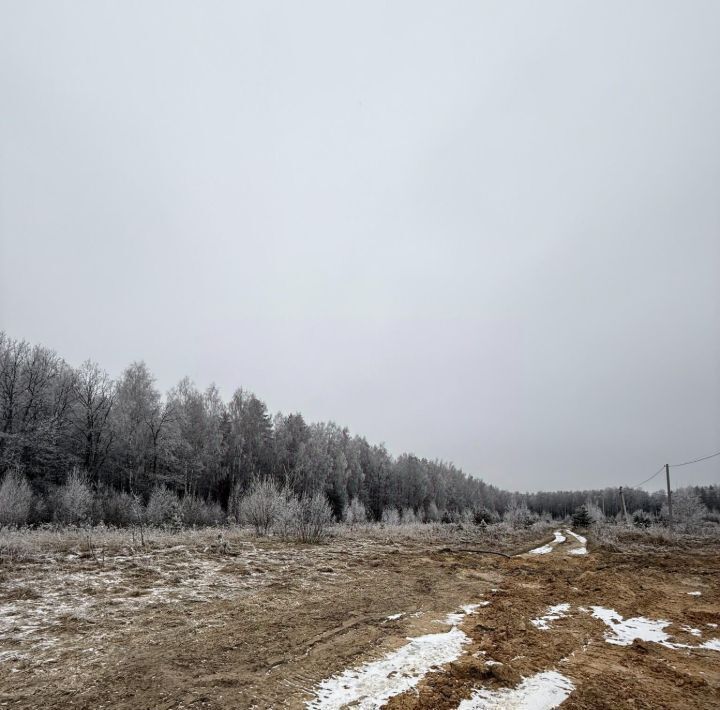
pixel 622 498
pixel 667 478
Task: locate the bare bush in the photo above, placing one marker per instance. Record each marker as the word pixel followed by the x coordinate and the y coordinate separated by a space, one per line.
pixel 16 499
pixel 518 515
pixel 408 516
pixel 74 500
pixel 432 514
pixel 286 513
pixel 115 508
pixel 595 513
pixel 196 511
pixel 260 506
pixel 163 507
pixel 390 516
pixel 688 510
pixel 355 513
pixel 313 518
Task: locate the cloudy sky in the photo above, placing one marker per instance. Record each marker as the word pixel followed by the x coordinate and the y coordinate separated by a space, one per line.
pixel 487 232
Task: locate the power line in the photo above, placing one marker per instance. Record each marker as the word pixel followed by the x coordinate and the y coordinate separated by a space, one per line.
pixel 674 465
pixel 702 458
pixel 657 473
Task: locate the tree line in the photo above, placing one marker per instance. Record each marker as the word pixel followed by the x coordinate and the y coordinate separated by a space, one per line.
pixel 124 435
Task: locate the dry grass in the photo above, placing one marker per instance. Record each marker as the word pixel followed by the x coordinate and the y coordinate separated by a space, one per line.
pixel 100 543
pixel 622 538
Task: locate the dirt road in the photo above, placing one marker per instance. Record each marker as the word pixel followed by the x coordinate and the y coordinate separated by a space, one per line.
pixel 410 621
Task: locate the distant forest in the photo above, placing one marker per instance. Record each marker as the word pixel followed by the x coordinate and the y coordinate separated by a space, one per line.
pixel 124 435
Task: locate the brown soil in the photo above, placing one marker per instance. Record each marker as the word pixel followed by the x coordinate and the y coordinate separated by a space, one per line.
pixel 183 626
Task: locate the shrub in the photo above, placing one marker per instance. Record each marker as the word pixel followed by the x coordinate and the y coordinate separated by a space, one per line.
pixel 595 512
pixel 518 515
pixel 260 506
pixel 485 516
pixel 688 510
pixel 286 513
pixel 115 508
pixel 74 500
pixel 16 499
pixel 408 516
pixel 432 514
pixel 355 513
pixel 196 511
pixel 642 519
pixel 447 517
pixel 390 516
pixel 163 507
pixel 313 518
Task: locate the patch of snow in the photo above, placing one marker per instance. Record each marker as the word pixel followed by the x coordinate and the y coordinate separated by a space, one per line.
pixel 553 614
pixel 455 618
pixel 372 684
pixel 627 630
pixel 582 540
pixel 541 550
pixel 539 692
pixel 713 626
pixel 545 549
pixel 395 617
pixel 694 594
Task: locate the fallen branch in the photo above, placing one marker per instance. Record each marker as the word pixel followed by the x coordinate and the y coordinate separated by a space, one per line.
pixel 473 550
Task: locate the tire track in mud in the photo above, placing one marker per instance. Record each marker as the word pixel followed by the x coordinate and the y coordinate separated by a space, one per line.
pixel 573 641
pixel 539 643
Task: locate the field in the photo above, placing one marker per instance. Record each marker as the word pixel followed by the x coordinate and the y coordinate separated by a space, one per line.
pixel 407 617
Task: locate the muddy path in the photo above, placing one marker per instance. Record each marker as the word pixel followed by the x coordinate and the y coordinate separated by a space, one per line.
pixel 274 625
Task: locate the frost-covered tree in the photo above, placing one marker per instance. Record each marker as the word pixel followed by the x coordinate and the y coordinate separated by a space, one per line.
pixel 688 509
pixel 355 513
pixel 16 499
pixel 261 505
pixel 163 507
pixel 75 499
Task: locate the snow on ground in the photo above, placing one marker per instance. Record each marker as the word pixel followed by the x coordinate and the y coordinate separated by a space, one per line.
pixel 539 692
pixel 583 542
pixel 560 538
pixel 625 631
pixel 694 594
pixel 553 614
pixel 372 684
pixel 541 550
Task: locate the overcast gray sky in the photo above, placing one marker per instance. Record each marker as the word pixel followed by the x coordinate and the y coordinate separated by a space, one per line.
pixel 487 232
